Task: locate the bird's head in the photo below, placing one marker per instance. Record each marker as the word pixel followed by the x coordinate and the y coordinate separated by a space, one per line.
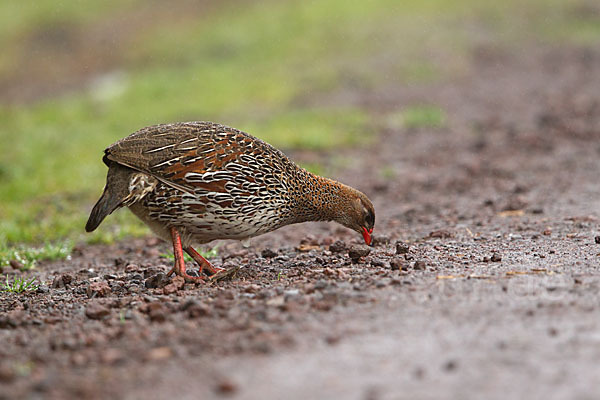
pixel 359 214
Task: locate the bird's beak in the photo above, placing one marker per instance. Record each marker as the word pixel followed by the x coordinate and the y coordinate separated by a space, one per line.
pixel 367 235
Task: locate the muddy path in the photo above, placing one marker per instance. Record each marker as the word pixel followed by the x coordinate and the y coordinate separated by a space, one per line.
pixel 482 283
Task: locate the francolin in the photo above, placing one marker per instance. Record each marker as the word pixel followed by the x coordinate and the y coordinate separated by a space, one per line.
pixel 195 182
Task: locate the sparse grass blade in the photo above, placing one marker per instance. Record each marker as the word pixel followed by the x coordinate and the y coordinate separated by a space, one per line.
pixel 19 285
pixel 27 256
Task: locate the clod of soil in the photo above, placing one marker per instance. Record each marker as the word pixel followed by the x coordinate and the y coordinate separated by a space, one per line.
pixel 357 251
pixel 268 253
pixel 402 248
pixel 337 247
pixel 156 281
pixel 98 289
pixel 96 311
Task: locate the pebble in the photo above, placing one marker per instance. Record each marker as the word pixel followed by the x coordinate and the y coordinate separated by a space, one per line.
pixel 157 312
pixel 402 248
pixel 420 265
pixel 98 289
pixel 132 268
pixel 62 280
pixel 597 239
pixel 196 309
pixel 290 294
pixel 96 311
pixel 358 250
pixel 7 374
pixel 15 264
pixel 176 284
pixel 159 353
pixel 377 262
pixel 156 281
pixel 496 257
pixel 441 234
pixel 397 264
pixel 337 247
pixel 112 356
pixel 226 387
pixel 450 365
pixel 43 289
pixel 268 253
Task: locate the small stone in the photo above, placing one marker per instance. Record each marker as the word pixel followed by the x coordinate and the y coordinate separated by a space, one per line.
pixel 179 282
pixel 290 294
pixel 159 353
pixel 157 312
pixel 169 289
pixel 268 253
pixel 397 264
pixel 96 311
pixel 43 289
pixel 402 248
pixel 15 264
pixel 496 257
pixel 98 289
pixel 156 281
pixel 130 268
pixel 337 247
pixel 441 234
pixel 597 239
pixel 420 265
pixel 195 309
pixel 450 365
pixel 226 387
pixel 7 374
pixel 358 250
pixel 377 262
pixel 62 280
pixel 112 356
pixel 176 284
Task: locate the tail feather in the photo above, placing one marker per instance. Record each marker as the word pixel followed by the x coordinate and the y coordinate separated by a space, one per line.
pixel 115 191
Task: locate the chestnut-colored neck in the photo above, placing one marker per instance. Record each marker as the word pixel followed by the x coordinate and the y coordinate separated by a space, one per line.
pixel 321 199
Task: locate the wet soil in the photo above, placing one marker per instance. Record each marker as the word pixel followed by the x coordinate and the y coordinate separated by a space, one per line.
pixel 482 282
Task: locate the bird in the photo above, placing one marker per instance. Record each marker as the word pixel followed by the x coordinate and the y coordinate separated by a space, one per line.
pixel 195 182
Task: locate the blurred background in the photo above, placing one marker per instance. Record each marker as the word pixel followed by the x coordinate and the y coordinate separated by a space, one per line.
pixel 311 76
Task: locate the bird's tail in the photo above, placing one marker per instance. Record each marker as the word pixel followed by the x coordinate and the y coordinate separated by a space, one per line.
pixel 115 192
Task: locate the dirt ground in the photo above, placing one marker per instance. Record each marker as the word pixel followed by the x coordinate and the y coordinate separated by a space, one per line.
pixel 482 283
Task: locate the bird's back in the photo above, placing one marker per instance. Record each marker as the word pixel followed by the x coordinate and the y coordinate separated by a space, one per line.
pixel 213 180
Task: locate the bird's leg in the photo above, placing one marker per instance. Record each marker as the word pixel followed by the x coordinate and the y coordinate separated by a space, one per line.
pixel 202 262
pixel 179 267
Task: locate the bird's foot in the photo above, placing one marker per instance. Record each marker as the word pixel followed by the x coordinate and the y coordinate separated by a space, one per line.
pixel 188 278
pixel 204 264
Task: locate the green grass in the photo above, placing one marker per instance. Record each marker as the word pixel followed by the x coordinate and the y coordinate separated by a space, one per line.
pixel 288 72
pixel 27 256
pixel 423 117
pixel 18 285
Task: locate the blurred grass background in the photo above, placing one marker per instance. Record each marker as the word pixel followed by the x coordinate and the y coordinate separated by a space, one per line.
pixel 76 76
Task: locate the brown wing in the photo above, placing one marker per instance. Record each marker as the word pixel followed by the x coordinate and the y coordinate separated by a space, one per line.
pixel 193 155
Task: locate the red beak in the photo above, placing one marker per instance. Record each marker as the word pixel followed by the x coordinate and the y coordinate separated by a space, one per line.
pixel 367 235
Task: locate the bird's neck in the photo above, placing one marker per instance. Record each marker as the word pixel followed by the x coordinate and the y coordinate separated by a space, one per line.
pixel 320 199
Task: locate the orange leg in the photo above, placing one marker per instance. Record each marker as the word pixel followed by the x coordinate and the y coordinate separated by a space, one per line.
pixel 202 262
pixel 179 267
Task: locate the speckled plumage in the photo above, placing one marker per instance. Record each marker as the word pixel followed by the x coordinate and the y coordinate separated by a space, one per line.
pixel 210 181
